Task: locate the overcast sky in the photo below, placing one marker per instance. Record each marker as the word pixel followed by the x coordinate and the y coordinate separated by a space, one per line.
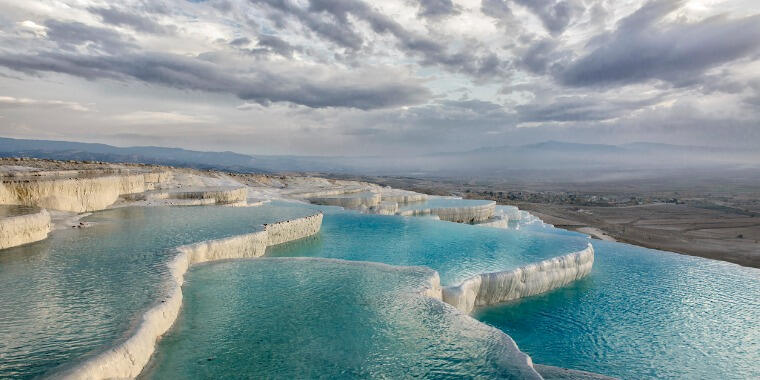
pixel 388 77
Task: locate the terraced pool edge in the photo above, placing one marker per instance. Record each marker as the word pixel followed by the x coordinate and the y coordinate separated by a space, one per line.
pixel 129 358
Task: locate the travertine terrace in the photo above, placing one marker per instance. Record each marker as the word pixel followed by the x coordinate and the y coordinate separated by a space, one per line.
pixel 128 359
pixel 78 191
pixel 25 228
pixel 471 214
pixel 493 288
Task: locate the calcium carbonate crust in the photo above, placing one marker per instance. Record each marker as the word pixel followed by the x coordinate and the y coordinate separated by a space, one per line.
pixel 129 358
pixel 360 200
pixel 77 194
pixel 231 195
pixel 24 229
pixel 501 221
pixel 493 288
pixel 469 214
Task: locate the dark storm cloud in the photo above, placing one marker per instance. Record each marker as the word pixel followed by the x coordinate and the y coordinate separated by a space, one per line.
pixel 554 15
pixel 644 48
pixel 240 41
pixel 276 45
pixel 263 86
pixel 496 8
pixel 70 35
pixel 579 108
pixel 138 21
pixel 333 27
pixel 330 19
pixel 265 46
pixel 538 56
pixel 436 8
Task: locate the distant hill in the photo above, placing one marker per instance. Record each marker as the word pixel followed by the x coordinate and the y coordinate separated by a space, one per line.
pixel 65 150
pixel 546 160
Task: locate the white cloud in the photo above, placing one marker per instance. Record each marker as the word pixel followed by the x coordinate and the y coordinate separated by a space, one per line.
pixel 161 118
pixel 13 102
pixel 33 28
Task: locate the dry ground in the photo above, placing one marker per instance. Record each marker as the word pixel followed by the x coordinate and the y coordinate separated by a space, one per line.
pixel 713 215
pixel 678 228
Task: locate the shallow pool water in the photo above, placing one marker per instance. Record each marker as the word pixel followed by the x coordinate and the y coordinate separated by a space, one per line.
pixel 296 319
pixel 457 251
pixel 80 290
pixel 644 314
pixel 640 314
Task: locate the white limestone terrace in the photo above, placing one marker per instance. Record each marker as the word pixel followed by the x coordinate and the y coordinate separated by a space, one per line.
pixel 365 199
pixel 361 196
pixel 384 201
pixel 22 225
pixel 235 195
pixel 128 359
pixel 493 288
pixel 84 187
pixel 495 221
pixel 62 192
pixel 66 194
pixel 82 192
pixel 464 214
pixel 488 288
pixel 374 199
pixel 79 192
pixel 481 290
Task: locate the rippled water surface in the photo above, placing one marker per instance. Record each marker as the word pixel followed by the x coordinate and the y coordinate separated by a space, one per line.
pixel 457 251
pixel 296 319
pixel 80 289
pixel 640 314
pixel 644 313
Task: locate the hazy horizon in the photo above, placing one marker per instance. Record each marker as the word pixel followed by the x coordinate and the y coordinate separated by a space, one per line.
pixel 549 161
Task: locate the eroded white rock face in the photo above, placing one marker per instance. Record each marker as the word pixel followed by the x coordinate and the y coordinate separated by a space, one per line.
pixel 128 359
pixel 500 221
pixel 233 195
pixel 23 229
pixel 401 196
pixel 289 230
pixel 472 214
pixel 384 208
pixel 353 201
pixel 493 288
pixel 81 194
pixel 222 195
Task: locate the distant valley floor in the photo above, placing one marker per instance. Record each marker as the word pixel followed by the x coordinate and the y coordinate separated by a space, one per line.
pixel 712 218
pixel 668 227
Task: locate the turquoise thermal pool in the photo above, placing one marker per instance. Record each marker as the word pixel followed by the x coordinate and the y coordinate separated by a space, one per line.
pixel 301 313
pixel 643 314
pixel 310 318
pixel 457 251
pixel 80 290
